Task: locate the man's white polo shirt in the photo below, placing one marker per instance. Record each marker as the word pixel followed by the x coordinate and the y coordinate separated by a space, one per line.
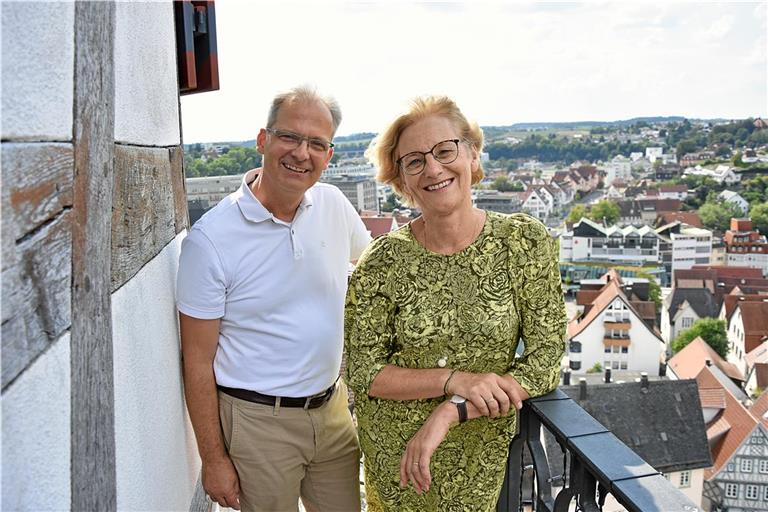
pixel 277 287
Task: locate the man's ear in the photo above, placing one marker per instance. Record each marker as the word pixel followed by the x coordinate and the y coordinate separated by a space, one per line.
pixel 261 138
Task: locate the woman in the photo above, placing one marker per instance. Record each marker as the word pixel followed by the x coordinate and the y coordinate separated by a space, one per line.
pixel 434 314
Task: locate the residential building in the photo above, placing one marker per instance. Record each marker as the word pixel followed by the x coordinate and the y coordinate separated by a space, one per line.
pixel 747 329
pixel 690 218
pixel 666 170
pixel 620 167
pixel 359 189
pixel 653 153
pixel 738 441
pixel 673 192
pixel 205 193
pixel 683 307
pixel 688 363
pixel 612 331
pixel 536 202
pixel 734 198
pixel 350 169
pixel 502 202
pixel 634 211
pixel 589 241
pixel 660 420
pixel 745 246
pixel 757 370
pixel 722 174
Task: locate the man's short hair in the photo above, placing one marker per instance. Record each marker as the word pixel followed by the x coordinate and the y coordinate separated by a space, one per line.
pixel 304 93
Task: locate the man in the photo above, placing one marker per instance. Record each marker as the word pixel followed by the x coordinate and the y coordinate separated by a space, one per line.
pixel 261 286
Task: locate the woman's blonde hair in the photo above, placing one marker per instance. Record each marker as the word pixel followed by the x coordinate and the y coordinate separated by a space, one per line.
pixel 383 149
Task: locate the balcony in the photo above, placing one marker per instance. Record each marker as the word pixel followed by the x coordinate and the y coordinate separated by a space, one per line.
pixel 599 464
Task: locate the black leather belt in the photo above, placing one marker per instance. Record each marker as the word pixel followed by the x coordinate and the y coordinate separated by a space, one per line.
pixel 307 402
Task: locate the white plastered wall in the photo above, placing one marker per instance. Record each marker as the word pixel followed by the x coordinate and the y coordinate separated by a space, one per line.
pixel 36 434
pixel 37 70
pixel 146 90
pixel 157 462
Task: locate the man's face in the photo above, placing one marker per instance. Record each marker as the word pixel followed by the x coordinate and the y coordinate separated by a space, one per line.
pixel 292 168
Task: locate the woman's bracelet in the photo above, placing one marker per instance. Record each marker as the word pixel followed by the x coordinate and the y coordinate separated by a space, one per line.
pixel 450 376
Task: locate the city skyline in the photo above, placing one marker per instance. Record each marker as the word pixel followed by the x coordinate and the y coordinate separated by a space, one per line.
pixel 531 62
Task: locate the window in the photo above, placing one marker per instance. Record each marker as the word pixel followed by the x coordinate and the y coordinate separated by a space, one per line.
pixel 730 466
pixel 686 322
pixel 616 349
pixel 746 465
pixel 752 492
pixel 575 365
pixel 607 350
pixel 685 479
pixel 763 468
pixel 623 365
pixel 615 365
pixel 624 350
pixel 575 347
pixel 731 490
pixel 765 493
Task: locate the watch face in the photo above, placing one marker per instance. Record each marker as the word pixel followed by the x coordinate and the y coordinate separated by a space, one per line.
pixel 458 399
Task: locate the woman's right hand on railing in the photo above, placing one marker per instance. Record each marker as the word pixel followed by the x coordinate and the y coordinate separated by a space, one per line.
pixel 492 394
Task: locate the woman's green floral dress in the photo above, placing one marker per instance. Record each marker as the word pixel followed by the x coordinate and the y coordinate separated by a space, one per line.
pixel 412 308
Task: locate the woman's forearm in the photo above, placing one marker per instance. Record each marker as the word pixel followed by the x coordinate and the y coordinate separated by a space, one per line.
pixel 396 383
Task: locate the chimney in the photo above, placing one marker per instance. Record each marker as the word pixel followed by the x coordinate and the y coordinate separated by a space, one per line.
pixel 567 377
pixel 708 362
pixel 644 380
pixel 582 388
pixel 607 375
pixel 662 369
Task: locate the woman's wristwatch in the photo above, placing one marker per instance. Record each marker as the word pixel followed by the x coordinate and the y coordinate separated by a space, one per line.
pixel 461 405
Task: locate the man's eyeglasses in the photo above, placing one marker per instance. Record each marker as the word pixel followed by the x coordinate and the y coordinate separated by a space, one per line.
pixel 294 140
pixel 444 152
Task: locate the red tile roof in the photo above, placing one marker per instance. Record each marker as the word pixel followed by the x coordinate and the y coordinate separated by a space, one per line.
pixel 759 409
pixel 741 421
pixel 688 363
pixel 730 301
pixel 712 398
pixel 733 272
pixel 690 218
pixel 379 225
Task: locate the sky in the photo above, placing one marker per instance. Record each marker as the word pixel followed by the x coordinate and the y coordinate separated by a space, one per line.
pixel 503 62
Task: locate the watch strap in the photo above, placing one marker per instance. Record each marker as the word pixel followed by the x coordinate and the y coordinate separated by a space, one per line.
pixel 462 407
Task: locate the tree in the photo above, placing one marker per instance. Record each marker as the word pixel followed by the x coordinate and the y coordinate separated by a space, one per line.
pixel 605 210
pixel 577 212
pixel 717 216
pixel 596 368
pixel 711 330
pixel 759 216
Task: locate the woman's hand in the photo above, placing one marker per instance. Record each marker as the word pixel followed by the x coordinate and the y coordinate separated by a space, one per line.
pixel 414 464
pixel 493 395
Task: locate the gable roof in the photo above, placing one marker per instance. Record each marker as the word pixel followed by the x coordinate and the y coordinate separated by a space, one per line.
pixel 660 420
pixel 759 409
pixel 687 363
pixel 732 299
pixel 701 300
pixel 690 218
pixel 740 420
pixel 753 315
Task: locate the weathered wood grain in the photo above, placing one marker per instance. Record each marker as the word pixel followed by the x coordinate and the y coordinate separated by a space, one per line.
pixel 143 211
pixel 36 294
pixel 38 180
pixel 179 188
pixel 36 199
pixel 93 408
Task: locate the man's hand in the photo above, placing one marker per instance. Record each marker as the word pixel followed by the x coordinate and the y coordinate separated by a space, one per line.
pixel 493 395
pixel 414 464
pixel 221 483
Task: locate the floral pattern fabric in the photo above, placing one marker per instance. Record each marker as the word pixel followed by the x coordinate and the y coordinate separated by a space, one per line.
pixel 409 307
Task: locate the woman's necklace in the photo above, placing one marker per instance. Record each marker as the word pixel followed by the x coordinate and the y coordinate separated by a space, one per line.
pixel 477 226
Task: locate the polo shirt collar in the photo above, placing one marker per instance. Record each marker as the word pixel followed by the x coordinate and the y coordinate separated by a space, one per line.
pixel 252 209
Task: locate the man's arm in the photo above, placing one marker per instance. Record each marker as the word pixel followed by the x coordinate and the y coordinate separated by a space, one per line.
pixel 199 339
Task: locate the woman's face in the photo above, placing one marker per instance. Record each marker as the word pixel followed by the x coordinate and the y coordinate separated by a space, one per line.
pixel 440 188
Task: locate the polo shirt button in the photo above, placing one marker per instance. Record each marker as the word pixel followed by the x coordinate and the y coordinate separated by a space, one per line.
pixel 293 232
pixel 442 362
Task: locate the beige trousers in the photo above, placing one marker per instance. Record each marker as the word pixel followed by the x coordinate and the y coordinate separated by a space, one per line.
pixel 286 453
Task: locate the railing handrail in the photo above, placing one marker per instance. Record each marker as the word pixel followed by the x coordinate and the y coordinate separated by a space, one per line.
pixel 600 463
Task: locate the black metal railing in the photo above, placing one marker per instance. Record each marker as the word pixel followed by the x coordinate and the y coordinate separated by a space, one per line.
pixel 598 464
